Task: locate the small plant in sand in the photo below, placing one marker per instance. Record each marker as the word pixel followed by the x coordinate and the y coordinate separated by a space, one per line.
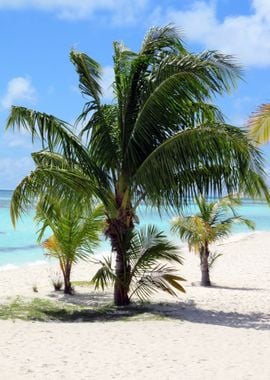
pixel 57 281
pixel 213 222
pixel 148 270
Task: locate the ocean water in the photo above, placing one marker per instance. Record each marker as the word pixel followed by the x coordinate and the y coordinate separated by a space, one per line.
pixel 19 246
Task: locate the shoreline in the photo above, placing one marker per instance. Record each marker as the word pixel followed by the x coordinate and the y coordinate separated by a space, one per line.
pixel 99 253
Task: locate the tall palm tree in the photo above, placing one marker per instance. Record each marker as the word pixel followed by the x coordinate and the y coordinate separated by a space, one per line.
pixel 161 140
pixel 209 225
pixel 76 231
pixel 259 125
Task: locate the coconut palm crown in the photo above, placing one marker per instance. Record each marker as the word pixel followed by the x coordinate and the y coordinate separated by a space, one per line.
pixel 161 140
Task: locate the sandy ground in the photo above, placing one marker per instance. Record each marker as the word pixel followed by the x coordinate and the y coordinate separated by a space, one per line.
pixel 221 332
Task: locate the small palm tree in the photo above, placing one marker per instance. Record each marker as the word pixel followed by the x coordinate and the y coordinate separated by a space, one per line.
pixel 148 271
pixel 259 125
pixel 210 224
pixel 76 229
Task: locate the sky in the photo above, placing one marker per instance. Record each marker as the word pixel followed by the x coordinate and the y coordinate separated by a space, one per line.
pixel 37 35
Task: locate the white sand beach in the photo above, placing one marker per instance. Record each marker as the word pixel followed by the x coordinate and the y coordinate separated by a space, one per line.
pixel 221 332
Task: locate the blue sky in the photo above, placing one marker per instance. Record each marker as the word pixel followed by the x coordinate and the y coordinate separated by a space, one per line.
pixel 36 37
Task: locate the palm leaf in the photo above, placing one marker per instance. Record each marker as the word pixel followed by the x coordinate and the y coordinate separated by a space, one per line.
pixel 105 276
pixel 259 124
pixel 89 77
pixel 157 39
pixel 193 161
pixel 179 83
pixel 57 136
pixel 159 278
pixel 148 246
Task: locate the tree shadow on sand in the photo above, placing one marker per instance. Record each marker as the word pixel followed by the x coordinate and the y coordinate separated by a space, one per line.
pixel 191 313
pixel 214 286
pixel 244 289
pixel 100 310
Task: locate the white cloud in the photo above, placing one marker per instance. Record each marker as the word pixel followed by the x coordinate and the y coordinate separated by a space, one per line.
pixel 262 8
pixel 245 36
pixel 18 89
pixel 124 11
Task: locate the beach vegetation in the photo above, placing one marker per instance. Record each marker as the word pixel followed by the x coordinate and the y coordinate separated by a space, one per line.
pixel 46 310
pixel 148 270
pixel 213 222
pixel 38 309
pixel 160 141
pixel 57 281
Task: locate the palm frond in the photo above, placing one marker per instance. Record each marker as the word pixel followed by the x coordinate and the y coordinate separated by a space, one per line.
pixel 51 131
pixel 89 72
pixel 105 276
pixel 159 278
pixel 236 219
pixel 181 82
pixel 150 245
pixel 213 258
pixel 206 159
pixel 158 38
pixel 259 124
pixel 57 136
pixel 133 69
pixel 104 147
pixel 58 179
pixel 46 158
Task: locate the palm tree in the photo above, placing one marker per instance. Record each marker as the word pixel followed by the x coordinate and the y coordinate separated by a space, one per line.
pixel 148 269
pixel 161 140
pixel 259 125
pixel 209 225
pixel 76 230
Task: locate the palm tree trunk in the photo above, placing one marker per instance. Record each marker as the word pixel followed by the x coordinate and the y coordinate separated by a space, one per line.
pixel 119 231
pixel 120 241
pixel 205 277
pixel 121 288
pixel 66 275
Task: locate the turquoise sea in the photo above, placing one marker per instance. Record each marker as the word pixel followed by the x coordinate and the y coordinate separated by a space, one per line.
pixel 18 246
